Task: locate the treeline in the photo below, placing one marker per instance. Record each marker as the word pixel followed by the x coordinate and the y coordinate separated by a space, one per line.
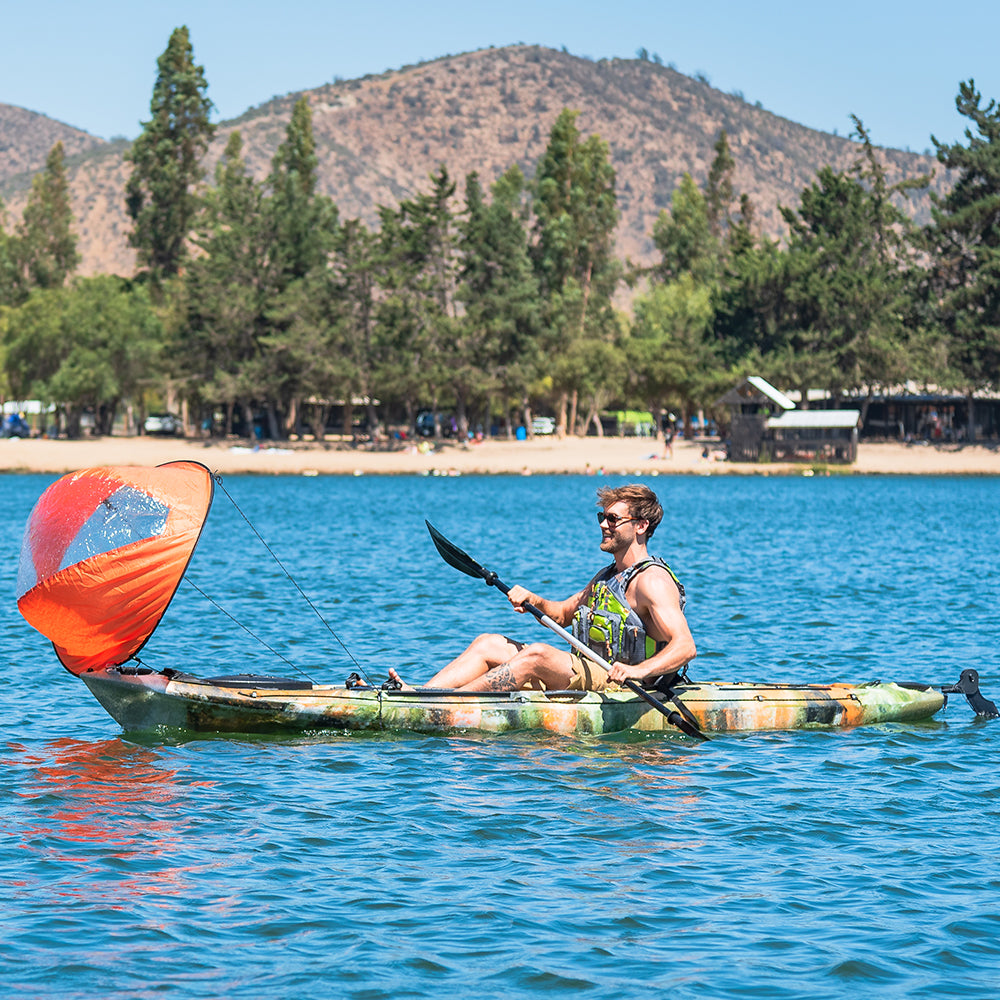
pixel 257 301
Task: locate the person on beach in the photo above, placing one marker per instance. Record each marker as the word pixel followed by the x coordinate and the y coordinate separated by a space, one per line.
pixel 631 613
pixel 668 440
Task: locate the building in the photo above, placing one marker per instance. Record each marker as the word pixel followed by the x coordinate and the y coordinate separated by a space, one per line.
pixel 765 425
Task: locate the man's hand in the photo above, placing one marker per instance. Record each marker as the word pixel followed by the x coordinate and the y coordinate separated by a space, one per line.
pixel 620 672
pixel 518 596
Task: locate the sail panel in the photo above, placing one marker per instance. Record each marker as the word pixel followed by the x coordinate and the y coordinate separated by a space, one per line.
pixel 103 553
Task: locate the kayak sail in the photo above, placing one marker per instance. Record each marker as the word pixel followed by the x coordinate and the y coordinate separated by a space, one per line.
pixel 103 554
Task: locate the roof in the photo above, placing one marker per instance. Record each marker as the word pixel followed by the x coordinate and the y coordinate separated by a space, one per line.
pixel 765 387
pixel 753 388
pixel 816 418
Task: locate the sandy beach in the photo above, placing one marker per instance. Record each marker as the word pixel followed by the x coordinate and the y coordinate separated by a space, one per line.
pixel 611 456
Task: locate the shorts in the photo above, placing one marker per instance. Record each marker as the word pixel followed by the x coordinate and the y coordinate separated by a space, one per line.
pixel 590 676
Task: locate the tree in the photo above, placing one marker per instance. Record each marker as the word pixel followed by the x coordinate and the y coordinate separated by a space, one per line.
pixel 849 253
pixel 9 284
pixel 227 289
pixel 302 220
pixel 353 277
pixel 674 363
pixel 89 346
pixel 46 242
pixel 965 237
pixel 752 314
pixel 416 314
pixel 719 187
pixel 166 160
pixel 685 237
pixel 302 228
pixel 498 340
pixel 576 214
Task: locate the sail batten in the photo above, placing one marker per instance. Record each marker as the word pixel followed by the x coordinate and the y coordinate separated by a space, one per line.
pixel 103 553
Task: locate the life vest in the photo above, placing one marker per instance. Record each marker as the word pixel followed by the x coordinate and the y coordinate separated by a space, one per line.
pixel 609 625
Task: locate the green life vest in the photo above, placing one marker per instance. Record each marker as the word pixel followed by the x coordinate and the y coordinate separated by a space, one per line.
pixel 609 625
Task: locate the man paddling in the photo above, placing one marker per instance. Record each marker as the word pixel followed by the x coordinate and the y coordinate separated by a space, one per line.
pixel 631 614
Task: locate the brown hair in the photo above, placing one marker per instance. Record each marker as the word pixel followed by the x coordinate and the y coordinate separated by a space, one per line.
pixel 641 500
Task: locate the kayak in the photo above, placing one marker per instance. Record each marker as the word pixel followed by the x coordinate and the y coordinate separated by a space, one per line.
pixel 105 549
pixel 142 699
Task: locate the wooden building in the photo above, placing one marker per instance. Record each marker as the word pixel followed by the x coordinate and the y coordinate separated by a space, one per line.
pixel 765 425
pixel 751 404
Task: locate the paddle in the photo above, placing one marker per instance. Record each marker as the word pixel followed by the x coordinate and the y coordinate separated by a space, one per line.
pixel 464 563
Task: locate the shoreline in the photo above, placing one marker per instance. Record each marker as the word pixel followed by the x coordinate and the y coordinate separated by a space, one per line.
pixel 543 455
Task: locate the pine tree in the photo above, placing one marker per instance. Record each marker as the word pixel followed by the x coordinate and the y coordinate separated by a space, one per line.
pixel 9 284
pixel 46 243
pixel 719 187
pixel 685 238
pixel 965 236
pixel 576 214
pixel 498 343
pixel 417 264
pixel 849 255
pixel 166 161
pixel 303 221
pixel 227 289
pixel 301 228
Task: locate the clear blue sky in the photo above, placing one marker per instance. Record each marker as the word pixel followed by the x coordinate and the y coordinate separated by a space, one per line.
pixel 895 64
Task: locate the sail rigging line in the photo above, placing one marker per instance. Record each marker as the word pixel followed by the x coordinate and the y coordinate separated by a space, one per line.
pixel 218 479
pixel 250 633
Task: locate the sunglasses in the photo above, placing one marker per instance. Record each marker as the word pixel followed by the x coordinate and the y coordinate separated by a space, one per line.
pixel 613 519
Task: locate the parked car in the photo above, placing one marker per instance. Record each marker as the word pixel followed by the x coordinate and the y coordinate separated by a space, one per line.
pixel 425 424
pixel 162 423
pixel 543 425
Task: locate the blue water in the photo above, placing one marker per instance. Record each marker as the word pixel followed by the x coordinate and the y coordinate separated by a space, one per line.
pixel 811 864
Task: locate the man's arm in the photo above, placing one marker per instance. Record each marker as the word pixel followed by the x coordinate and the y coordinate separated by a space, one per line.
pixel 561 612
pixel 657 601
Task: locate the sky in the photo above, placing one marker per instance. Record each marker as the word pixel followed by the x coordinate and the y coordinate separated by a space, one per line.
pixel 895 64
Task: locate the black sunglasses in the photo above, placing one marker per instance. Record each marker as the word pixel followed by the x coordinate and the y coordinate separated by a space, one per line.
pixel 613 519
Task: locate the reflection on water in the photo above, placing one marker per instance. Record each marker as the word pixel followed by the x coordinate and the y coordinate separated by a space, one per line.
pixel 91 808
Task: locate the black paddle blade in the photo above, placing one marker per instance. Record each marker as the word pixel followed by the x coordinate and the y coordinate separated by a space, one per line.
pixel 454 556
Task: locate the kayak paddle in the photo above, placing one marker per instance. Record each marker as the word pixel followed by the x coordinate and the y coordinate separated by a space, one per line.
pixel 464 563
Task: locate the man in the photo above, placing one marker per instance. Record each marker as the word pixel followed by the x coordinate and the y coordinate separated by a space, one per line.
pixel 631 613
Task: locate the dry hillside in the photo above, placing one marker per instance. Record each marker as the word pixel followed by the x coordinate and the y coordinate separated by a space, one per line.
pixel 27 137
pixel 380 136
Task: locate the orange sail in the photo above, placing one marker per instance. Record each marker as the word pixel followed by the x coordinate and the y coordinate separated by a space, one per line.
pixel 103 554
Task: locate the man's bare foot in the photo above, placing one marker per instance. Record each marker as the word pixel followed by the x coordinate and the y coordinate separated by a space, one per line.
pixel 397 682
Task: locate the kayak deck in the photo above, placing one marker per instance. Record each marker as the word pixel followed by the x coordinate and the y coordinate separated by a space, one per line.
pixel 139 699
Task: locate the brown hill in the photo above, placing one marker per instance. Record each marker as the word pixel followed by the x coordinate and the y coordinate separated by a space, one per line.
pixel 27 137
pixel 380 137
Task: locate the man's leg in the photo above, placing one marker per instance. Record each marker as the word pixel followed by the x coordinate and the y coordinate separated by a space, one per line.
pixel 537 662
pixel 485 652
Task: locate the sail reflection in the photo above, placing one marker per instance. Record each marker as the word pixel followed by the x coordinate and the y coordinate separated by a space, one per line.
pixel 109 810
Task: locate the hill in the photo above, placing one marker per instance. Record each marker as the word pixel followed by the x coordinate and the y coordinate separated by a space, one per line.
pixel 27 137
pixel 379 137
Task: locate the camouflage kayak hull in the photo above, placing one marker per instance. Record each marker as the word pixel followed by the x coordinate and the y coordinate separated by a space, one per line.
pixel 147 700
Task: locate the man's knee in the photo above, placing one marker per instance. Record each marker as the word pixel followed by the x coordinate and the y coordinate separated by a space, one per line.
pixel 541 662
pixel 492 646
pixel 535 654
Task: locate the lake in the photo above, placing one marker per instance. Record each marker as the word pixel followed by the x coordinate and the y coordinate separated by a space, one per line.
pixel 819 864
